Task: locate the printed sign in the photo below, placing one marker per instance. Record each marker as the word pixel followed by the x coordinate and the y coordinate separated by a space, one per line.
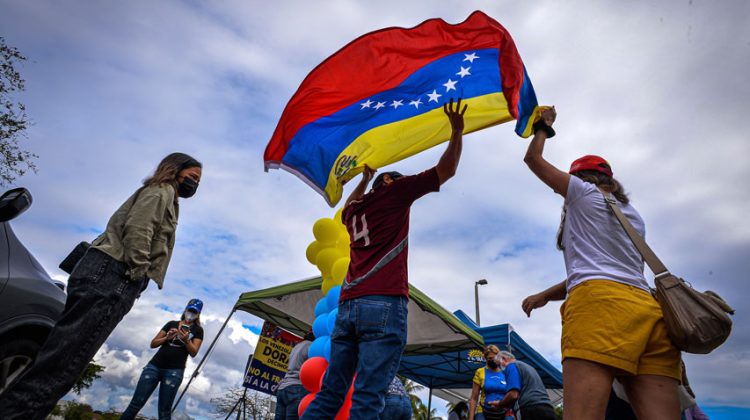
pixel 270 360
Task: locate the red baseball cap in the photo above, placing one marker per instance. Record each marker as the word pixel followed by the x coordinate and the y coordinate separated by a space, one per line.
pixel 591 162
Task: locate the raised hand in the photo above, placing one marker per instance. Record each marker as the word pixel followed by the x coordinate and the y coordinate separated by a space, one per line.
pixel 549 115
pixel 367 173
pixel 454 116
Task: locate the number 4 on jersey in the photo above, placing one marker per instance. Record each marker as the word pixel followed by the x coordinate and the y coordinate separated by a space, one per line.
pixel 364 233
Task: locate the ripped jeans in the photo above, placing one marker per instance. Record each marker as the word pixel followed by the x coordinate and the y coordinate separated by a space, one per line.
pixel 169 381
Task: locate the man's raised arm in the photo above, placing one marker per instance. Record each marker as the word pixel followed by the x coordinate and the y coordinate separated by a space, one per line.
pixel 448 163
pixel 359 191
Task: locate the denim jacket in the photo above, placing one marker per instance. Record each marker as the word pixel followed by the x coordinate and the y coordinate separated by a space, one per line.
pixel 141 232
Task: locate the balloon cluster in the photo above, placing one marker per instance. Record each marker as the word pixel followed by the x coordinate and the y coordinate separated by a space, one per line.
pixel 311 375
pixel 330 253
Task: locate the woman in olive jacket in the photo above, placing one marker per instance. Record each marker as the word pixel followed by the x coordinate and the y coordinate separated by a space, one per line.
pixel 103 286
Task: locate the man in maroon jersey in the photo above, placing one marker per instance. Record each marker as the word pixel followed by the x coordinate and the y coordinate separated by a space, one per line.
pixel 370 331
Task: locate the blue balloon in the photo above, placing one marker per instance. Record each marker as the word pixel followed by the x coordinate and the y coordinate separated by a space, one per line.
pixel 333 297
pixel 327 351
pixel 320 326
pixel 321 307
pixel 318 347
pixel 331 321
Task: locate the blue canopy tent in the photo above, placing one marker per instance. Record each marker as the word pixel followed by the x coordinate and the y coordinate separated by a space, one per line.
pixel 449 374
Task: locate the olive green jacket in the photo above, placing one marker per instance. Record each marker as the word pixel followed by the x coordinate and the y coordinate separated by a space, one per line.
pixel 141 232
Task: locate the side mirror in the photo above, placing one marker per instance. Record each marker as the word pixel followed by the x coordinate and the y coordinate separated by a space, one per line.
pixel 13 203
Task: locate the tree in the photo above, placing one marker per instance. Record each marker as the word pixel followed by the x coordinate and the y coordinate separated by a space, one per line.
pixel 411 389
pixel 87 377
pixel 14 161
pixel 257 405
pixel 421 412
pixel 77 411
pixel 113 414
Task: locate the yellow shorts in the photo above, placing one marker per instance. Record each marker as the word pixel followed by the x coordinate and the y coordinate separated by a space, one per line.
pixel 618 325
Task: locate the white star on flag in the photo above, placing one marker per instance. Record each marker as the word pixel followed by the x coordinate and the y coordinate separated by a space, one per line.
pixel 434 96
pixel 471 57
pixel 397 104
pixel 450 85
pixel 416 103
pixel 366 104
pixel 464 72
pixel 379 105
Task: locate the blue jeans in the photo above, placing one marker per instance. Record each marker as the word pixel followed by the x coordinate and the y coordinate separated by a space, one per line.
pixel 397 407
pixel 369 337
pixel 169 381
pixel 99 296
pixel 287 402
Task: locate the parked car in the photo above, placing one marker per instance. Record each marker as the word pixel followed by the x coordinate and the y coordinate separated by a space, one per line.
pixel 30 301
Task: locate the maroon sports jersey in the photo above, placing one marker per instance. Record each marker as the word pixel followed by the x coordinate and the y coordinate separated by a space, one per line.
pixel 378 225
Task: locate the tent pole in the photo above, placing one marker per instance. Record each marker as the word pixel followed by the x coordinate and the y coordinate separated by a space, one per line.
pixel 243 403
pixel 429 403
pixel 234 407
pixel 203 360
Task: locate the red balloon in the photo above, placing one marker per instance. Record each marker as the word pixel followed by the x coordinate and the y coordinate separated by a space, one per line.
pixel 311 372
pixel 306 400
pixel 344 411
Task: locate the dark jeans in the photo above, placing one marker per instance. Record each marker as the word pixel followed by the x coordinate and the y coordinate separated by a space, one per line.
pixel 538 412
pixel 287 402
pixel 369 337
pixel 99 295
pixel 169 381
pixel 397 407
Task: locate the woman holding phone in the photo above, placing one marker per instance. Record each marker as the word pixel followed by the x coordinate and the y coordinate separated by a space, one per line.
pixel 176 340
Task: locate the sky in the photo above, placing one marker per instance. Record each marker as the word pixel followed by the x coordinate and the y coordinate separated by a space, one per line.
pixel 658 88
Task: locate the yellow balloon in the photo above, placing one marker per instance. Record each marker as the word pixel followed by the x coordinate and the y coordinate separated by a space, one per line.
pixel 312 251
pixel 327 285
pixel 325 231
pixel 339 269
pixel 326 258
pixel 343 246
pixel 337 216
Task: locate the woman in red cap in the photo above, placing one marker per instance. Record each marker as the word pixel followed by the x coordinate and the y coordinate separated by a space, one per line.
pixel 612 325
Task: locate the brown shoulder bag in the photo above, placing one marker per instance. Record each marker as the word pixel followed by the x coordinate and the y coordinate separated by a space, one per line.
pixel 696 322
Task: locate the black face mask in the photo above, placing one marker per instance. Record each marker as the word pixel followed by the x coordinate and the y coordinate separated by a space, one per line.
pixel 187 188
pixel 492 364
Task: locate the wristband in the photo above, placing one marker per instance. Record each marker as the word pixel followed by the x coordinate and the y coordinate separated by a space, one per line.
pixel 541 125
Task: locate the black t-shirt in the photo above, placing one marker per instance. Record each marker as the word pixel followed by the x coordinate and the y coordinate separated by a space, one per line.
pixel 173 354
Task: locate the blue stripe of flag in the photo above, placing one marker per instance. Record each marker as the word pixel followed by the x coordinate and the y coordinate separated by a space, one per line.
pixel 526 103
pixel 330 135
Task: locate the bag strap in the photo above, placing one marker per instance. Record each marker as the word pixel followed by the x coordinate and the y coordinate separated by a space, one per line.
pixel 654 263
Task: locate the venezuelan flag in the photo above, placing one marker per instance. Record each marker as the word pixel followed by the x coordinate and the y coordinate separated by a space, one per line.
pixel 380 99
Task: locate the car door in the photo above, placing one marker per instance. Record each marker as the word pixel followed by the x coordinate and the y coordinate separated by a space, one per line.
pixel 4 270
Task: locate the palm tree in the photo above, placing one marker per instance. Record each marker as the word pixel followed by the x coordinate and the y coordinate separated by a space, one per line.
pixel 421 412
pixel 411 389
